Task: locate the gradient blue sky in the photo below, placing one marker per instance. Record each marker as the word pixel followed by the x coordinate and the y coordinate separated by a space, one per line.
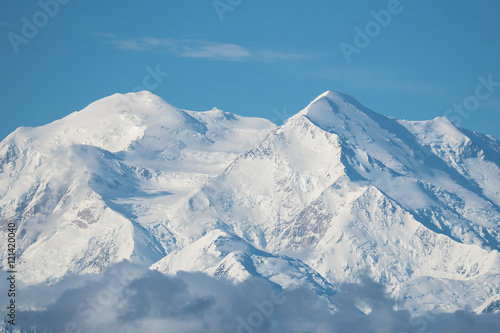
pixel 263 56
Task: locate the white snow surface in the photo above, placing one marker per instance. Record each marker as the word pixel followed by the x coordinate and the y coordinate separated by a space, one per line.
pixel 336 191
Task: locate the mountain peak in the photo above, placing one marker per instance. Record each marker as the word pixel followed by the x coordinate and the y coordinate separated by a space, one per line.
pixel 333 96
pixel 142 103
pixel 333 110
pixel 341 188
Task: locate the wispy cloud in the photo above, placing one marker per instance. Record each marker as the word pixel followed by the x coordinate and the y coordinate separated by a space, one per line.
pixel 211 50
pixel 202 49
pixel 5 23
pixel 105 34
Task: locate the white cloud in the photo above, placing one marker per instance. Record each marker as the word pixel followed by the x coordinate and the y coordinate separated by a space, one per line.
pixel 202 49
pixel 211 50
pixel 105 34
pixel 130 298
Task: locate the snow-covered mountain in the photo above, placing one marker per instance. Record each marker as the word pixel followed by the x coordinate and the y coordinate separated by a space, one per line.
pixel 336 191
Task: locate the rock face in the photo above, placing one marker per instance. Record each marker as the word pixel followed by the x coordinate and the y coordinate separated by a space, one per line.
pixel 336 191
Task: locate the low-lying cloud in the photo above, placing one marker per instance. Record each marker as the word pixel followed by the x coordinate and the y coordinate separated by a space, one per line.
pixel 129 298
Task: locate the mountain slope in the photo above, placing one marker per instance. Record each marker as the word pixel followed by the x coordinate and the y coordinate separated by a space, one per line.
pixel 347 190
pixel 92 188
pixel 335 192
pixel 221 254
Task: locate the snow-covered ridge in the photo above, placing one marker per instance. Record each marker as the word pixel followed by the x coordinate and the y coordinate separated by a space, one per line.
pixel 335 191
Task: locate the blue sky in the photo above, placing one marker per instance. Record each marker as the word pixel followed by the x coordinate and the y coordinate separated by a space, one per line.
pixel 258 58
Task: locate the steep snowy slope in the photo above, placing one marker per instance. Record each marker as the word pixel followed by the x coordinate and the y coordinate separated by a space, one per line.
pixel 347 190
pixel 492 305
pixel 92 188
pixel 221 254
pixel 336 191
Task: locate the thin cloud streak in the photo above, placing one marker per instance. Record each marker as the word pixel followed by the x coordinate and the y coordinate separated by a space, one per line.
pixel 201 49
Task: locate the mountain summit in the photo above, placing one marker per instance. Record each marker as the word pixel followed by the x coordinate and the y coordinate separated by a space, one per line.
pixel 336 191
pixel 331 109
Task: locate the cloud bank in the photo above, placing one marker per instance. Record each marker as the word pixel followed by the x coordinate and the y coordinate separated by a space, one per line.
pixel 129 298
